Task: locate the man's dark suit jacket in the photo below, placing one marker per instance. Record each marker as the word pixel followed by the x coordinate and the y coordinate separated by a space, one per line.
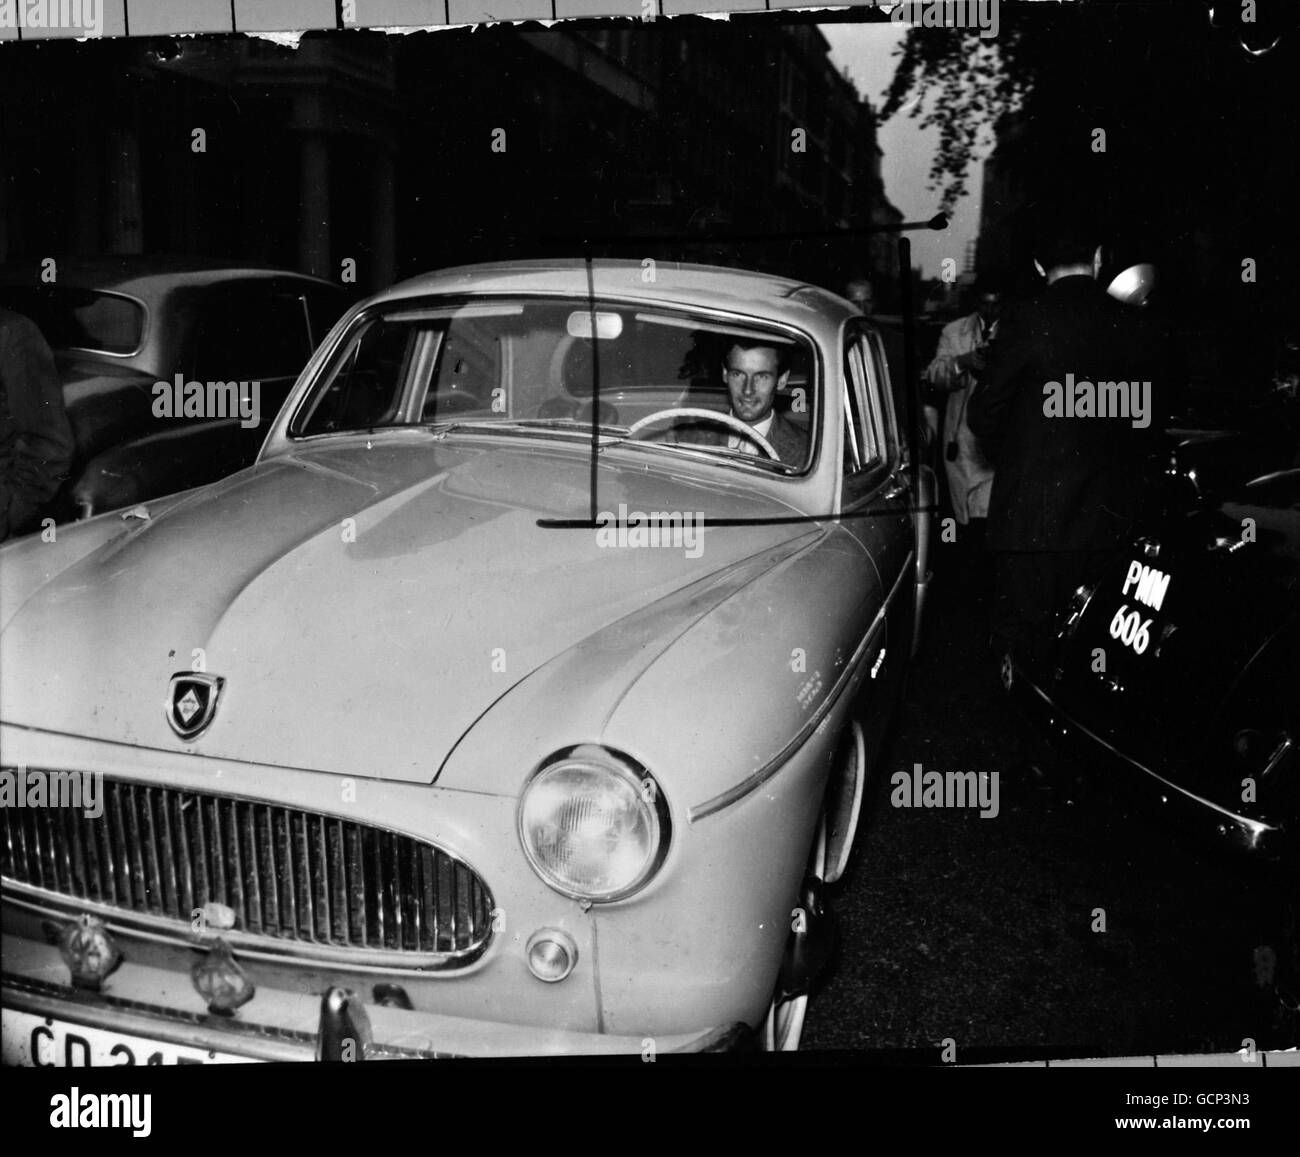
pixel 788 440
pixel 1066 483
pixel 35 438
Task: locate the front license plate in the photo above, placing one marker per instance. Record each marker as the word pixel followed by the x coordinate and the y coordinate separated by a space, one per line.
pixel 31 1040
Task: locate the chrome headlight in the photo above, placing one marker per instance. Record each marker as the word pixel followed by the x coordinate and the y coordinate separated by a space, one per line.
pixel 593 824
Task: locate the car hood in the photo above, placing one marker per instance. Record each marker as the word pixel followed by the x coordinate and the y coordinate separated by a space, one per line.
pixel 364 606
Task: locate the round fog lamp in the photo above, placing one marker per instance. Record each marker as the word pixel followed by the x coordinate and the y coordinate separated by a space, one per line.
pixel 552 954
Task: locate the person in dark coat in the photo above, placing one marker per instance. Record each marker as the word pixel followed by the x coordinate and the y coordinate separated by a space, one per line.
pixel 35 438
pixel 1069 408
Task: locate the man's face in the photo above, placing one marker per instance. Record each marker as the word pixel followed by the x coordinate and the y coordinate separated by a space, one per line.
pixel 752 380
pixel 990 305
pixel 860 293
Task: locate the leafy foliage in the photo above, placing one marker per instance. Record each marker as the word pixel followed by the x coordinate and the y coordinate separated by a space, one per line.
pixel 957 83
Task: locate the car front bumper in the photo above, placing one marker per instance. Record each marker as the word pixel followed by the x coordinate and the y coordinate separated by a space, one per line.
pixel 147 1015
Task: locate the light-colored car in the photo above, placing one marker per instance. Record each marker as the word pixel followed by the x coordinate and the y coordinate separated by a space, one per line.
pixel 459 724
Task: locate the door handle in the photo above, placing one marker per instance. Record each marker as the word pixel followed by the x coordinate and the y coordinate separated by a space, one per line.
pixel 897 488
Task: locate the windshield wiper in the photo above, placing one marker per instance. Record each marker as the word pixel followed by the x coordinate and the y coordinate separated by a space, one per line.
pixel 578 422
pixel 440 429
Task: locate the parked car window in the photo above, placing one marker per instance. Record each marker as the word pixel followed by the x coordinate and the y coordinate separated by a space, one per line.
pixel 249 331
pixel 540 363
pixel 83 319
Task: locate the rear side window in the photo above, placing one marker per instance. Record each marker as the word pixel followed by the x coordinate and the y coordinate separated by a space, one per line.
pixel 248 331
pixel 82 319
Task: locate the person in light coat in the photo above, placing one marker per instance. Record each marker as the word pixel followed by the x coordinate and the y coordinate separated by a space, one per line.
pixel 956 367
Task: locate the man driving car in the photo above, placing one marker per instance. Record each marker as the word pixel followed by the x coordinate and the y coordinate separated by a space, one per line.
pixel 754 372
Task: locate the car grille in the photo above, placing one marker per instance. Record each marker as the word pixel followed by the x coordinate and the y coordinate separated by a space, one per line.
pixel 301 879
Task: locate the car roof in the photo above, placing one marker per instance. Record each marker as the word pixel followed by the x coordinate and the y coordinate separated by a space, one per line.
pixel 145 276
pixel 707 286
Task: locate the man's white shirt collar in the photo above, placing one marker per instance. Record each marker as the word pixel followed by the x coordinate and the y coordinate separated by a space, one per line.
pixel 761 428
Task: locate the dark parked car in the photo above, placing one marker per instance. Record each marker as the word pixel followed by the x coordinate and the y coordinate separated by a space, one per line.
pixel 1180 666
pixel 118 325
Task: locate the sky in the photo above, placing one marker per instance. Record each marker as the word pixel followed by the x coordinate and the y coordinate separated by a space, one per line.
pixel 867 51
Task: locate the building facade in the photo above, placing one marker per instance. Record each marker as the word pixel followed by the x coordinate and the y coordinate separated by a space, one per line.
pixel 388 155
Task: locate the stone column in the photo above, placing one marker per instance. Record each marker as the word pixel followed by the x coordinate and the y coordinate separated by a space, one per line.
pixel 314 206
pixel 121 187
pixel 384 221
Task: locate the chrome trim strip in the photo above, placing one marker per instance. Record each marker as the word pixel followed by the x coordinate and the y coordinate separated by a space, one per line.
pixel 1253 830
pixel 1272 476
pixel 852 669
pixel 1279 754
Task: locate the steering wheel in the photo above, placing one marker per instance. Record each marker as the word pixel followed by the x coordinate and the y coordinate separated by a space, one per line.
pixel 735 425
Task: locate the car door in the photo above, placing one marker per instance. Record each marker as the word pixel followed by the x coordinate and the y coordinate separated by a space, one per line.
pixel 922 496
pixel 876 502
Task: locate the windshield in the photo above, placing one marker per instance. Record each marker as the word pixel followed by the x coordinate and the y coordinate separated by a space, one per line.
pixel 83 319
pixel 544 365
